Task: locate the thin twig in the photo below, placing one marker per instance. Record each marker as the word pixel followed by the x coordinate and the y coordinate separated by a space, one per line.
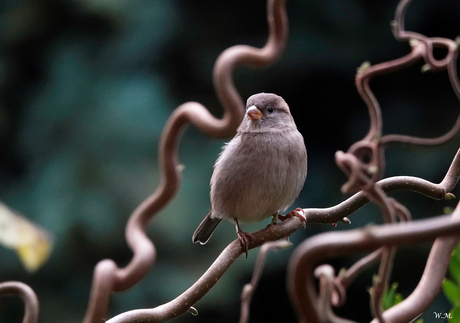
pixel 348 276
pixel 327 283
pixel 249 289
pixel 437 191
pixel 31 308
pixel 449 62
pixel 386 205
pixel 363 78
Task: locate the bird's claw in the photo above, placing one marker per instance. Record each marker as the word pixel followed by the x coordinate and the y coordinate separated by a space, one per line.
pixel 300 213
pixel 245 239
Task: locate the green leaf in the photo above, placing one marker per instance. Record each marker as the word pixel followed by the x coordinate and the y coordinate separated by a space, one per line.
pixel 454 266
pixel 454 315
pixel 457 251
pixel 451 291
pixel 398 299
pixel 388 298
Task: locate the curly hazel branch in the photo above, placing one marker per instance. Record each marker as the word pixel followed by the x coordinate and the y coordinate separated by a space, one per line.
pixel 364 163
pixel 430 283
pixel 31 307
pixel 312 251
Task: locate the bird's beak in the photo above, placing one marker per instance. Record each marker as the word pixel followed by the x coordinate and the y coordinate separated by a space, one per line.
pixel 254 113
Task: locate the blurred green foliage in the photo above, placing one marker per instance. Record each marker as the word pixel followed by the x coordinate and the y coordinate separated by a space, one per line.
pixel 391 298
pixel 451 287
pixel 87 85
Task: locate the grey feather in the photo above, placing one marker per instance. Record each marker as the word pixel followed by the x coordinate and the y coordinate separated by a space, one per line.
pixel 205 229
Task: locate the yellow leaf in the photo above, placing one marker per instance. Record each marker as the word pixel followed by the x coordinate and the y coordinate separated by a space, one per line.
pixel 32 243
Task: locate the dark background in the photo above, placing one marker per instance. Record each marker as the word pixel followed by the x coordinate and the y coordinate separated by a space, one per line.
pixel 87 85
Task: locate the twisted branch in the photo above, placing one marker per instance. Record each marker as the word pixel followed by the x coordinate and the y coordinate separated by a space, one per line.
pixel 31 308
pixel 430 283
pixel 415 184
pixel 364 163
pixel 248 289
pixel 449 62
pixel 312 251
pixel 328 285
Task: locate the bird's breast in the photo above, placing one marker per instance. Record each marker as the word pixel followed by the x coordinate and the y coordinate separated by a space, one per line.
pixel 258 175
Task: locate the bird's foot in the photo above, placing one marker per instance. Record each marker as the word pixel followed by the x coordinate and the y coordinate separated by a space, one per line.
pixel 297 212
pixel 275 218
pixel 244 237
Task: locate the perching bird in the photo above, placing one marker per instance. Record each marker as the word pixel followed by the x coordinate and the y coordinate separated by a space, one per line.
pixel 260 171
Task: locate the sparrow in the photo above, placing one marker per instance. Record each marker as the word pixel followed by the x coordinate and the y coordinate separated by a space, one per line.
pixel 260 172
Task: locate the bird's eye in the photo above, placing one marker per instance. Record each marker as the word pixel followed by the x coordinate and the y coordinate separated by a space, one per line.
pixel 270 110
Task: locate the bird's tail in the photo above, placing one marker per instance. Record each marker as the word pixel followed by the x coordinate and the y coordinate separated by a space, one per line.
pixel 205 229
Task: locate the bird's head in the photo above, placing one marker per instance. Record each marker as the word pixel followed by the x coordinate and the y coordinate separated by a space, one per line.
pixel 266 112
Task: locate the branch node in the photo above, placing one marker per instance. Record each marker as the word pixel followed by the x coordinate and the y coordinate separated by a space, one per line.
pixel 193 311
pixel 449 196
pixel 457 41
pixel 375 281
pixel 425 68
pixel 364 66
pixel 413 42
pixel 283 244
pixel 342 273
pixel 371 291
pixel 394 25
pixel 372 170
pixel 247 290
pixel 180 168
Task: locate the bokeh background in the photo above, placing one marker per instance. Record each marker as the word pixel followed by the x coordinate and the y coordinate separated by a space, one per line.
pixel 87 85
